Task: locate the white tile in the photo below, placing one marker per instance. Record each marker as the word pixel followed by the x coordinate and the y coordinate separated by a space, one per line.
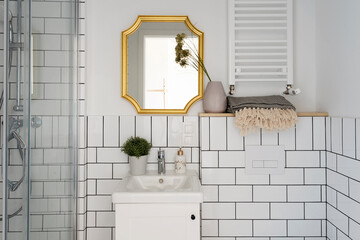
pixel 336 135
pixel 243 178
pixel 315 176
pixel 96 171
pixel 209 228
pixel 328 133
pixel 175 131
pixel 218 211
pixel 91 155
pixel 354 190
pixel 127 128
pixel 269 137
pixel 315 210
pixel 99 203
pixel 269 193
pixel 209 159
pixel 234 139
pixel 46 9
pixel 95 131
pixel 253 138
pixel 331 231
pixel 290 176
pixel 58 26
pixel 43 134
pixel 331 161
pixel 331 196
pixel 358 138
pixel 349 167
pixel 302 159
pixel 105 219
pixel 195 155
pixel 354 229
pixel 98 233
pixel 121 170
pixel 235 228
pixel 194 121
pixel 252 210
pixel 337 218
pixel 235 193
pixel 54 156
pixel 349 207
pixel 232 159
pixel 204 133
pixel 287 139
pixel 111 155
pixel 159 131
pixel 342 236
pixel 304 193
pixel 349 137
pixel 304 134
pixel 218 133
pixel 211 193
pixel 111 131
pixel 91 222
pixel 287 210
pixel 269 228
pixel 319 133
pixel 304 228
pixel 91 187
pixel 218 176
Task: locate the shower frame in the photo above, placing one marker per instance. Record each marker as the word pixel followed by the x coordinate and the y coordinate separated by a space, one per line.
pixel 25 58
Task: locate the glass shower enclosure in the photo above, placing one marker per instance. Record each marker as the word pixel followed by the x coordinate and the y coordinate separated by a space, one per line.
pixel 38 119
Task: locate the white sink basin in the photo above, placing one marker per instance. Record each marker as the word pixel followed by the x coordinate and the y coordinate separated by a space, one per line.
pixel 155 188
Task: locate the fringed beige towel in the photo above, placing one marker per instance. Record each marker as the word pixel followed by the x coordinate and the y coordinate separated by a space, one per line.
pixel 273 119
pixel 271 113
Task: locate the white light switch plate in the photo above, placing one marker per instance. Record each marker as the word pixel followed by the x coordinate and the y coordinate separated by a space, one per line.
pixel 264 160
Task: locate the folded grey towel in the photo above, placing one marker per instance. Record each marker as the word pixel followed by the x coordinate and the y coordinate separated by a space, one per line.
pixel 274 101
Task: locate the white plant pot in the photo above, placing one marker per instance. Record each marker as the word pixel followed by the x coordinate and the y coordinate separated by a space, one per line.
pixel 138 165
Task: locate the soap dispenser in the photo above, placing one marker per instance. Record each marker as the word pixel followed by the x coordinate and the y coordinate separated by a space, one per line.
pixel 180 162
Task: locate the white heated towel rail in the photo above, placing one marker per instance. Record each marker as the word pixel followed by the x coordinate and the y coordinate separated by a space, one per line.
pixel 260 41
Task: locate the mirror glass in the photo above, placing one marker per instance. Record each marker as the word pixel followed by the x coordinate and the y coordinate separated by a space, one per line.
pixel 154 81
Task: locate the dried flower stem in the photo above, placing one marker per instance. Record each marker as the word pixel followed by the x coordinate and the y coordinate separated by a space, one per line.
pixel 185 57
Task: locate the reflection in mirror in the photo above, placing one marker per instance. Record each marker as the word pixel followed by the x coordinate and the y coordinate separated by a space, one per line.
pixel 157 81
pixel 154 80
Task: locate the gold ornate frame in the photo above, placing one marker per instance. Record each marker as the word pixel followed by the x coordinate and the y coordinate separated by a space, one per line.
pixel 124 80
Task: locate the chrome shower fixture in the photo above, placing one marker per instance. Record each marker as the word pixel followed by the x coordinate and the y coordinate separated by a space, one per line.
pixel 290 91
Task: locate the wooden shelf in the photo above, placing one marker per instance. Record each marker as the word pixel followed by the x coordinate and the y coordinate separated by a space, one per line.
pixel 306 114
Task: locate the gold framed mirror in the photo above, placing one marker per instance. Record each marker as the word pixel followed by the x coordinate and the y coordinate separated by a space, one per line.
pixel 151 79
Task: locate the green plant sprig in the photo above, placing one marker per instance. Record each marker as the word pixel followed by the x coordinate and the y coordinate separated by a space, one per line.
pixel 188 57
pixel 136 147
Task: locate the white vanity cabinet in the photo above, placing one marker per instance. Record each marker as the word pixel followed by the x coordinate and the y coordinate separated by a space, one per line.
pixel 160 221
pixel 158 207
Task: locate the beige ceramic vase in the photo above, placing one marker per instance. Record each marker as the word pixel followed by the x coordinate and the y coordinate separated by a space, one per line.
pixel 214 98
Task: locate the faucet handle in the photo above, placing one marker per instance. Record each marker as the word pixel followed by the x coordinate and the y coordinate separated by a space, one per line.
pixel 161 154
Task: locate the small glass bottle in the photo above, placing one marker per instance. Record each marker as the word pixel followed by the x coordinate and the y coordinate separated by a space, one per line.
pixel 180 162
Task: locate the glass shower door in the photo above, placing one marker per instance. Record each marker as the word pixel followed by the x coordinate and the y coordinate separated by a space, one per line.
pixel 39 118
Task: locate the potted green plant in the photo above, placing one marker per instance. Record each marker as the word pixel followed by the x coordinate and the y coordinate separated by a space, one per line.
pixel 186 55
pixel 137 149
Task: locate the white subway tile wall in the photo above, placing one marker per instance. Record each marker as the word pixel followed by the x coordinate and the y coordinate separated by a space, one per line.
pixel 107 165
pixel 343 178
pixel 238 206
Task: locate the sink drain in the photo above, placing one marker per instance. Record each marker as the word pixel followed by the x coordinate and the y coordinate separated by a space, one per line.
pixel 161 180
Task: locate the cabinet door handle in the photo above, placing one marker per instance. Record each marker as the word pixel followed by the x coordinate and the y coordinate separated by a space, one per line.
pixel 193 217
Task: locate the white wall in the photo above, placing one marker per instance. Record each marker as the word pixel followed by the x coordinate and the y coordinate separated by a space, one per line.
pixel 106 20
pixel 338 56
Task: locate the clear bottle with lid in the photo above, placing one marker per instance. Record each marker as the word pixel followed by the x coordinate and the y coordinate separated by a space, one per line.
pixel 180 162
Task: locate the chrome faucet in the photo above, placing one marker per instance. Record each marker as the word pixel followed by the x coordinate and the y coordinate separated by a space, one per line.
pixel 161 162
